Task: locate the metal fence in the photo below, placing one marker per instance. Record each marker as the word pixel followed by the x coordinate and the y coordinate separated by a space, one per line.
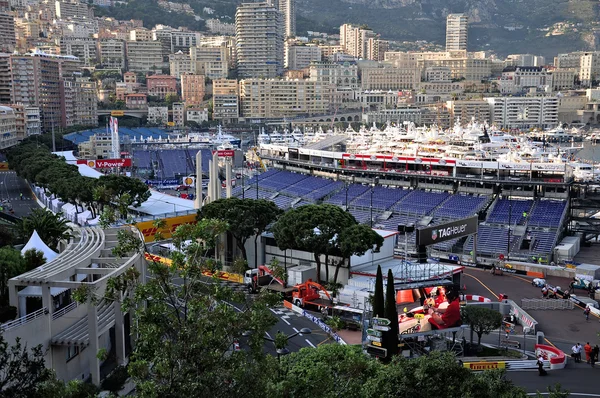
pixel 546 304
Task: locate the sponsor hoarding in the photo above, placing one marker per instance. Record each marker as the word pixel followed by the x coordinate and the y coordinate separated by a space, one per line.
pixel 166 181
pixel 148 229
pixel 444 232
pixel 225 153
pixel 105 163
pixel 484 365
pixel 117 113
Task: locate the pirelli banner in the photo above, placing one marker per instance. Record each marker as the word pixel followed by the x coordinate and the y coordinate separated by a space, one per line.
pixel 443 232
pixel 148 229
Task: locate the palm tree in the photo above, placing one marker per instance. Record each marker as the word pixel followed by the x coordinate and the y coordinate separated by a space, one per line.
pixel 52 228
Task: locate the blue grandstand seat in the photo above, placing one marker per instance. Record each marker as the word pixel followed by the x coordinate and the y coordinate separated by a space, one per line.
pixel 510 211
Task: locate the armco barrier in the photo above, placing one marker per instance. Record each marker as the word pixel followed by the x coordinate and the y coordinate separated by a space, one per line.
pixel 557 358
pixel 524 318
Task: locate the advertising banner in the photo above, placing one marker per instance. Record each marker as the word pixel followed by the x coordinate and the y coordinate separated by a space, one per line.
pixel 225 153
pixel 484 365
pixel 166 181
pixel 105 163
pixel 444 232
pixel 148 229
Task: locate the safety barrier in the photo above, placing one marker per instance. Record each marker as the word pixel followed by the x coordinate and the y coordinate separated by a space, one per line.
pixel 523 316
pixel 546 304
pixel 472 297
pixel 557 358
pixel 226 276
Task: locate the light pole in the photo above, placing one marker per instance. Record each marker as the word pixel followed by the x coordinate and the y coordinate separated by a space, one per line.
pixel 509 225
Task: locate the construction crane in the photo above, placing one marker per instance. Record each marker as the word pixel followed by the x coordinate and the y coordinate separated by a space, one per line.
pixel 260 161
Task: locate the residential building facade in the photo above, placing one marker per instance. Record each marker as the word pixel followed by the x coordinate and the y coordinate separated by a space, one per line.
pixel 192 89
pixel 226 102
pixel 259 34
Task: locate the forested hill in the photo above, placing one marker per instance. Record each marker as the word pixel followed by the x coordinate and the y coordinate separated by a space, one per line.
pixel 506 26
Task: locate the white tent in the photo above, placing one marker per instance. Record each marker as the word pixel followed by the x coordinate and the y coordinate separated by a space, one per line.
pixel 35 242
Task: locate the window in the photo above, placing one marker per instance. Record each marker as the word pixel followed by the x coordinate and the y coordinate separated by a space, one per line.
pixel 72 352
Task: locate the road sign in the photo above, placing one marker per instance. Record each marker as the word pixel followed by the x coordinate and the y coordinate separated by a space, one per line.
pixel 376 343
pixel 382 328
pixel 375 339
pixel 381 321
pixel 373 332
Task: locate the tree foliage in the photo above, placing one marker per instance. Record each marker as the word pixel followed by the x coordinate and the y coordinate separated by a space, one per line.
pixel 355 240
pixel 11 265
pixel 22 370
pixel 186 325
pixel 312 228
pixel 52 228
pixel 344 371
pixel 481 320
pixel 391 313
pixel 378 301
pixel 246 217
pixel 32 160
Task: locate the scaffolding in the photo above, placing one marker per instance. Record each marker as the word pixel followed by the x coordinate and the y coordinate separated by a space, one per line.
pixel 422 343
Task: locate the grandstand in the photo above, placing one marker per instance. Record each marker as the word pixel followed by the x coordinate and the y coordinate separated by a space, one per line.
pixel 391 207
pixel 169 163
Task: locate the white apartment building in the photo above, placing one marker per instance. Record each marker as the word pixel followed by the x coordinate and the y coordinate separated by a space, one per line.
pixel 226 102
pixel 563 79
pixel 83 48
pixel 72 9
pixel 362 43
pixel 300 56
pixel 526 60
pixel 85 107
pixel 8 127
pixel 111 53
pixel 144 56
pixel 197 115
pixel 517 79
pixel 589 69
pixel 386 77
pixel 462 64
pixel 288 9
pixel 456 32
pixel 181 64
pixel 210 61
pixel 440 74
pixel 342 75
pixel 141 34
pixel 524 112
pixel 277 98
pixel 219 27
pixel 158 115
pixel 259 34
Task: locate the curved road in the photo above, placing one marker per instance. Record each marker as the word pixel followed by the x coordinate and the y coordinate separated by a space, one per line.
pixel 558 326
pixel 11 188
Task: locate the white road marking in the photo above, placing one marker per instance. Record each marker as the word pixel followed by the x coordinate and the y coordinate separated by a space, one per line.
pixel 267 333
pixel 311 344
pixel 283 319
pixel 297 331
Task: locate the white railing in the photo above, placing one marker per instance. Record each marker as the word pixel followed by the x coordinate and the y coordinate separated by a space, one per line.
pixel 64 310
pixel 23 320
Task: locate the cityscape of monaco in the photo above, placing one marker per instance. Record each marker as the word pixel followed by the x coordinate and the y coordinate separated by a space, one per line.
pixel 299 198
